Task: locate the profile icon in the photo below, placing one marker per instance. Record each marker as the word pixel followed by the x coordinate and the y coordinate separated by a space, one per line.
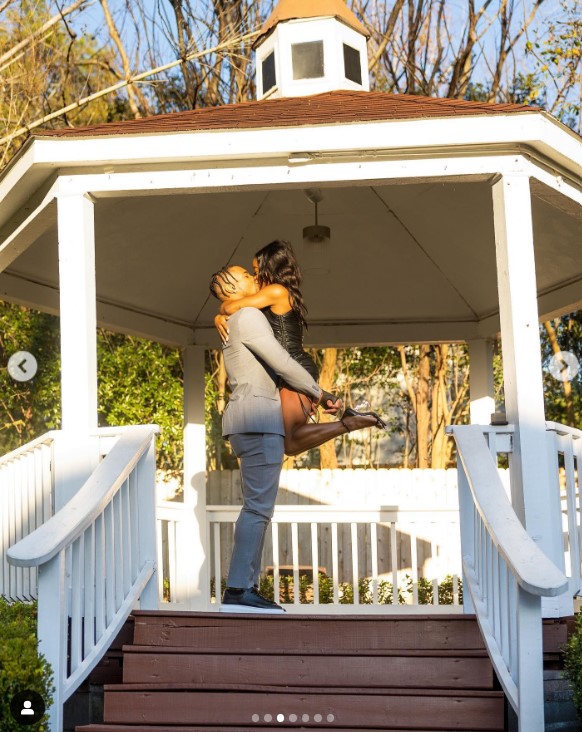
pixel 27 707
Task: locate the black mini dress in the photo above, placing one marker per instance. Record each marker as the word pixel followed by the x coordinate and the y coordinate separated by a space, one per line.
pixel 288 330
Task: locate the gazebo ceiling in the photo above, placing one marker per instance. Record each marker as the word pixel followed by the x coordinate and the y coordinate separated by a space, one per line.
pixel 417 254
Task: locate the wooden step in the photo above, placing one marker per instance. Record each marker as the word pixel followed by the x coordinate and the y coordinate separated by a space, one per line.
pixel 262 728
pixel 142 664
pixel 318 633
pixel 351 708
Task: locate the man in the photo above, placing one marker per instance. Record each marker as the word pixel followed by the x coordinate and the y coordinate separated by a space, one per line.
pixel 253 423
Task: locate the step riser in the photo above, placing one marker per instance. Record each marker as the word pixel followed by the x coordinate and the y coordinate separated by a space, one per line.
pixel 319 635
pixel 318 671
pixel 345 710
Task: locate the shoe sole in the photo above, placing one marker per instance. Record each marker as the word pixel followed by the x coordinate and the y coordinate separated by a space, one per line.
pixel 249 609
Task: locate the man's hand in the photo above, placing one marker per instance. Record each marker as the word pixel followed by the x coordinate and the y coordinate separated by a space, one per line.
pixel 330 403
pixel 220 321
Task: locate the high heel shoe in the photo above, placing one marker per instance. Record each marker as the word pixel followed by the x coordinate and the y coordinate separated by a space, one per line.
pixel 349 412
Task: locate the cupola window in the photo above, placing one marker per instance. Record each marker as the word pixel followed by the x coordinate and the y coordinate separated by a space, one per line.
pixel 269 74
pixel 307 59
pixel 352 65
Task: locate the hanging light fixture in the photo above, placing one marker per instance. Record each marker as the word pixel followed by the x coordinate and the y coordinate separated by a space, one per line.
pixel 316 239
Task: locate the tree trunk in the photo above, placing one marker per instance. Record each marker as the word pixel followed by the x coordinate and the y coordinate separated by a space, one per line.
pixel 550 330
pixel 422 408
pixel 439 408
pixel 327 454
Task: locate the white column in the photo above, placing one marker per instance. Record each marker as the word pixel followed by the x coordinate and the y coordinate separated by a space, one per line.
pixel 481 380
pixel 534 494
pixel 78 321
pixel 194 539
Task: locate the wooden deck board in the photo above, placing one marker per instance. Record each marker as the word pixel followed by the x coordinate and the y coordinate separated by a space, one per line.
pixel 353 710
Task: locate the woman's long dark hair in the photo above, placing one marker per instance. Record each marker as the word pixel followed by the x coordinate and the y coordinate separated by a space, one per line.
pixel 277 266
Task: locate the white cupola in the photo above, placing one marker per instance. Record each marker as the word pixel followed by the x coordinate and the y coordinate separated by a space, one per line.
pixel 311 46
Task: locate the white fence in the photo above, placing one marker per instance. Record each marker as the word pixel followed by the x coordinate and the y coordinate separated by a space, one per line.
pixel 566 452
pixel 26 502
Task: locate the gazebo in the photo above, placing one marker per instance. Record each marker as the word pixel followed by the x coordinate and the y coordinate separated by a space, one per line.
pixel 450 221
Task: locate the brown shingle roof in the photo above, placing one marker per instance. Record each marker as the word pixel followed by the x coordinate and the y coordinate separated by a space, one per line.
pixel 339 107
pixel 292 9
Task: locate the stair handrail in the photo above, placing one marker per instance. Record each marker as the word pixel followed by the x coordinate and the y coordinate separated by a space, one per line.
pixel 76 515
pixel 506 574
pixel 96 558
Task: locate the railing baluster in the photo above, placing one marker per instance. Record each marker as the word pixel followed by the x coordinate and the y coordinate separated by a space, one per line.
pixel 134 508
pixel 295 559
pixel 76 609
pixel 355 565
pixel 126 546
pixel 275 540
pixel 394 562
pixel 160 550
pixel 100 608
pixel 109 563
pixel 315 563
pixel 172 569
pixel 334 562
pixel 374 556
pixel 118 567
pixel 89 587
pixel 217 564
pixel 414 563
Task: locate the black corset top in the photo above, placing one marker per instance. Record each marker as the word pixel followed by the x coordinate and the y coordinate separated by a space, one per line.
pixel 287 329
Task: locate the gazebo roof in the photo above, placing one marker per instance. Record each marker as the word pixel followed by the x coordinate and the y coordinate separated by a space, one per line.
pixel 295 9
pixel 335 107
pixel 406 184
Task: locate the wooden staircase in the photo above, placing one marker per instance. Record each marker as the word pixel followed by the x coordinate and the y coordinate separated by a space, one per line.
pixel 215 671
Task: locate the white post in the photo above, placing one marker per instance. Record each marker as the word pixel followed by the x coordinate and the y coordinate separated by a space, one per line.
pixel 533 494
pixel 146 477
pixel 481 380
pixel 76 451
pixel 467 528
pixel 194 544
pixel 52 630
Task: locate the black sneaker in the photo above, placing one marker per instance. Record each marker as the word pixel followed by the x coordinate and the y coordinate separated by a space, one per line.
pixel 248 601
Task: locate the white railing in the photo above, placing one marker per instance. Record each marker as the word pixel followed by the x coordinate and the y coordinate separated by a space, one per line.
pixel 26 502
pixel 380 580
pixel 96 557
pixel 505 576
pixel 566 455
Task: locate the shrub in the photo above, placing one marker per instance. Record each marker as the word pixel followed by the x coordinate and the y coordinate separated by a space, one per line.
pixel 573 663
pixel 346 590
pixel 21 666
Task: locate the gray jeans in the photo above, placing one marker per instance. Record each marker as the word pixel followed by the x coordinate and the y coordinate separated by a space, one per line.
pixel 261 458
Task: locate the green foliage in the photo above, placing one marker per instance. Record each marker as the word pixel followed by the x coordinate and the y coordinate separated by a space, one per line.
pixel 346 590
pixel 573 664
pixel 140 382
pixel 29 408
pixel 21 666
pixel 558 408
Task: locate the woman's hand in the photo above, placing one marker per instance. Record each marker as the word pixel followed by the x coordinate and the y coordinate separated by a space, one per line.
pixel 220 322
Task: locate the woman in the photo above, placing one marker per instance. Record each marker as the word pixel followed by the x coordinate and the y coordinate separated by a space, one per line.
pixel 279 297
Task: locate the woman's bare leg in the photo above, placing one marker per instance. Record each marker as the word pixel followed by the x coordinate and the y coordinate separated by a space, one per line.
pixel 301 435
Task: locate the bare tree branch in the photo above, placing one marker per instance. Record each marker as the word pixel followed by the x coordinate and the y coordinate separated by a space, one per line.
pixel 43 29
pixel 120 85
